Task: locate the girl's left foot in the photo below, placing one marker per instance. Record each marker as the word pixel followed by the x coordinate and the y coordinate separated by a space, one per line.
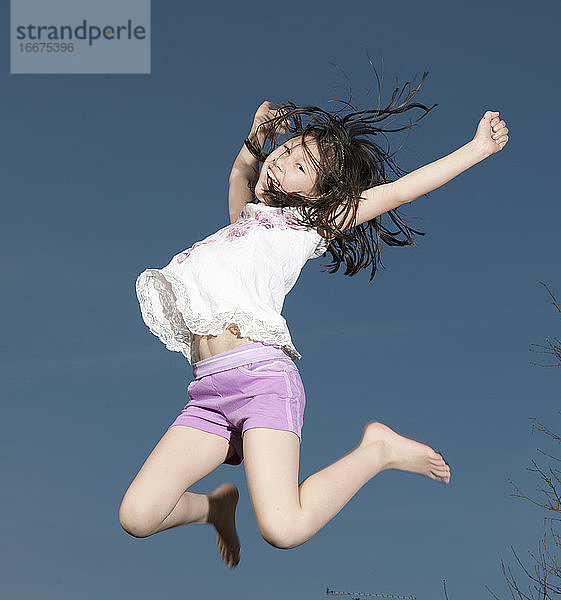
pixel 405 454
pixel 222 515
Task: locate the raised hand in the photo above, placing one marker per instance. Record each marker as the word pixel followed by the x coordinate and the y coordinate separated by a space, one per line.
pixel 265 113
pixel 491 135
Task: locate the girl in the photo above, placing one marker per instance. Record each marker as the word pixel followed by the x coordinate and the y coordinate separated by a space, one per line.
pixel 220 301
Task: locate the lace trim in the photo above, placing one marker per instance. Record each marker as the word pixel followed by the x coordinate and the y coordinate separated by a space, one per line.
pixel 180 322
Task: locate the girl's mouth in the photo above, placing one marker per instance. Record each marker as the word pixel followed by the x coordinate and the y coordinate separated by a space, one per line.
pixel 271 182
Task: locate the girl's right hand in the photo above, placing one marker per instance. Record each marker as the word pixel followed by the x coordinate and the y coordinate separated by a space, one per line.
pixel 265 113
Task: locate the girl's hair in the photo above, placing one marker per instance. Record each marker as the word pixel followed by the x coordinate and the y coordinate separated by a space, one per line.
pixel 349 164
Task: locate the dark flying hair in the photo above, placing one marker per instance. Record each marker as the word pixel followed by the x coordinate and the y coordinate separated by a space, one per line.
pixel 350 163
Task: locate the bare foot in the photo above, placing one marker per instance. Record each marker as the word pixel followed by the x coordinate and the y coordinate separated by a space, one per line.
pixel 406 454
pixel 222 514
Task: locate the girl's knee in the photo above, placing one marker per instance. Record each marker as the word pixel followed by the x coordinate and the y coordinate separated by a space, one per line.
pixel 280 532
pixel 135 520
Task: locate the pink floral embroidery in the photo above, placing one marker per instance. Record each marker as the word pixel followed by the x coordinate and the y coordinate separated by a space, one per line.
pixel 185 254
pixel 271 219
pixel 246 221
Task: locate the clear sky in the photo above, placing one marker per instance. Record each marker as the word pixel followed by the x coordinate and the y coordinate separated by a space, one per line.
pixel 105 176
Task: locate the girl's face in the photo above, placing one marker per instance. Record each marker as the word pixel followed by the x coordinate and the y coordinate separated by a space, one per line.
pixel 289 169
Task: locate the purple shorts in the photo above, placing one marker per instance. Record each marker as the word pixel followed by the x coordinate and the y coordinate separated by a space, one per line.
pixel 255 385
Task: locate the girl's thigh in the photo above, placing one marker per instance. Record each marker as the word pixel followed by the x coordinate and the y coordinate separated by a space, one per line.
pixel 182 457
pixel 272 460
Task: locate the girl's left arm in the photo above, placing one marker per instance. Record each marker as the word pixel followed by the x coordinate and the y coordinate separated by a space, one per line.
pixel 490 137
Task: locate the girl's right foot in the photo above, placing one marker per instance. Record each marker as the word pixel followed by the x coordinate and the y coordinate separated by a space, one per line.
pixel 405 454
pixel 222 514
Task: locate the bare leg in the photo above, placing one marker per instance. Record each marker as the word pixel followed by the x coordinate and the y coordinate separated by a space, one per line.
pixel 288 514
pixel 218 508
pixel 156 499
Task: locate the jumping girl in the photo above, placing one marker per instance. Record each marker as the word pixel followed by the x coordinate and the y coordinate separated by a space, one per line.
pixel 219 303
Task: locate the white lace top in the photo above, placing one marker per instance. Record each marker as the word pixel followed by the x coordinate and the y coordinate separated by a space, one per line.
pixel 240 274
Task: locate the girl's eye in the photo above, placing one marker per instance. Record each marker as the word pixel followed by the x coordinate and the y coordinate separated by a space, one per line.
pixel 287 149
pixel 301 168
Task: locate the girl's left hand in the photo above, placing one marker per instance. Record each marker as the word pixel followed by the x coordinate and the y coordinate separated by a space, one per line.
pixel 491 135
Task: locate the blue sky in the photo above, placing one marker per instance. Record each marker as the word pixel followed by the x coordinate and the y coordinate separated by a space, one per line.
pixel 103 177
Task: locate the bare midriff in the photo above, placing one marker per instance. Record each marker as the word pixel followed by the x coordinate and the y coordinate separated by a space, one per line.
pixel 206 346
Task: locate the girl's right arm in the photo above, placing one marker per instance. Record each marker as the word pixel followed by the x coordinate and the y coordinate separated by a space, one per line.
pixel 244 171
pixel 246 167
